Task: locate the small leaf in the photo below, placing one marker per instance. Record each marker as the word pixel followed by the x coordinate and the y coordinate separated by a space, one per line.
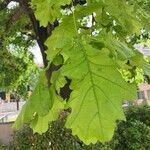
pixel 40 124
pixel 40 102
pixel 62 38
pixel 58 80
pixel 48 10
pixel 118 48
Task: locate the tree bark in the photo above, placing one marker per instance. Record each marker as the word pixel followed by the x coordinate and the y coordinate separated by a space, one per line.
pixel 17 102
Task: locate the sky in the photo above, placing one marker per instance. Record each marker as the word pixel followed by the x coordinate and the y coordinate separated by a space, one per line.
pixel 35 50
pixel 144 48
pixel 11 5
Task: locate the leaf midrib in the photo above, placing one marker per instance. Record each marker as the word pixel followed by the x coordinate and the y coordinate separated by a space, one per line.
pixel 94 92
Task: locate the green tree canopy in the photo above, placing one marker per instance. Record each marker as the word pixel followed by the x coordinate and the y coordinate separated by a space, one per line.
pixel 16 65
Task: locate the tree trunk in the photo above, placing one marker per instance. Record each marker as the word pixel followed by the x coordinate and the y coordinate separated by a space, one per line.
pixel 17 102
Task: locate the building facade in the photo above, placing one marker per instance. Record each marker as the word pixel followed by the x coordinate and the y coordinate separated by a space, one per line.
pixel 143 94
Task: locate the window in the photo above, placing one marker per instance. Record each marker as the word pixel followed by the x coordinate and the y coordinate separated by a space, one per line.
pixel 148 94
pixel 141 95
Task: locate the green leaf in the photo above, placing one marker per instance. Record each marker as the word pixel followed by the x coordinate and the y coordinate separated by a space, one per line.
pixel 71 68
pixel 40 124
pixel 120 9
pixel 62 38
pixel 58 80
pixel 119 49
pixel 139 61
pixel 146 68
pixel 42 95
pixel 96 100
pixel 48 10
pixel 40 102
pixel 58 60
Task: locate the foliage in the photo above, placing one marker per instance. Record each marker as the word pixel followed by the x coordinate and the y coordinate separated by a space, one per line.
pixel 141 114
pixel 133 134
pixel 3 147
pixel 22 139
pixel 56 138
pixel 16 65
pixel 52 139
pixel 93 52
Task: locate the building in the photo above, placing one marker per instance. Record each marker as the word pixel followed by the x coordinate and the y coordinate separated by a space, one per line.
pixel 143 94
